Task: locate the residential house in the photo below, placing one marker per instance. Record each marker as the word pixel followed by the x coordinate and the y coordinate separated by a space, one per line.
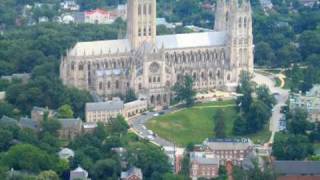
pixel 99 16
pixel 70 128
pixel 69 5
pixel 309 102
pixel 175 155
pixel 79 174
pixel 66 153
pixel 37 113
pixel 23 77
pixel 297 170
pixel 88 127
pixel 234 150
pixel 28 123
pixel 133 173
pixel 103 111
pixel 203 165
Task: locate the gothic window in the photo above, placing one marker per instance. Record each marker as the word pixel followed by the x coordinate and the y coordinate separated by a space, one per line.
pixel 202 75
pixel 152 99
pixel 144 31
pixel 149 31
pixel 165 98
pixel 140 86
pixel 154 79
pixel 227 16
pixel 150 9
pixel 210 74
pixel 154 67
pixel 100 85
pixel 109 85
pixel 158 99
pixel 144 9
pixel 139 9
pixel 240 22
pixel 72 66
pixel 80 67
pixel 228 77
pixel 150 79
pixel 245 22
pixel 139 32
pixel 194 76
pixel 117 84
pixel 218 74
pixel 158 79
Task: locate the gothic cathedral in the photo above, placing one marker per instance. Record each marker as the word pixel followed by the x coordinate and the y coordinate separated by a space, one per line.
pixel 150 64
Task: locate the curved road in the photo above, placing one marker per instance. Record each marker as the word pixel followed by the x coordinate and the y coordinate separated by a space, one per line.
pixel 137 123
pixel 282 96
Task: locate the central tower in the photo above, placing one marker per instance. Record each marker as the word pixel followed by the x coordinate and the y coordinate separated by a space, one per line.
pixel 141 27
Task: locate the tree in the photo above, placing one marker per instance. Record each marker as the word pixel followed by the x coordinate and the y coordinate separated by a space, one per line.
pixel 65 111
pixel 264 95
pixel 240 126
pixel 48 175
pixel 297 121
pixel 105 169
pixel 119 125
pixel 245 89
pixel 51 126
pixel 184 91
pixel 219 127
pixel 29 158
pixel 257 116
pixel 130 96
pixel 291 147
pixel 6 138
pixel 254 173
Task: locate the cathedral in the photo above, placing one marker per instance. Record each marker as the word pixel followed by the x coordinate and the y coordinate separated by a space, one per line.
pixel 150 65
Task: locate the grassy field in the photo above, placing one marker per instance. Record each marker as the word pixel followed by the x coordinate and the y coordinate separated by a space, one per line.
pixel 195 124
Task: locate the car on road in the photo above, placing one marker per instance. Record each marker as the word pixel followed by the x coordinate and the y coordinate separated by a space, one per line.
pixel 151 132
pixel 143 127
pixel 156 114
pixel 150 137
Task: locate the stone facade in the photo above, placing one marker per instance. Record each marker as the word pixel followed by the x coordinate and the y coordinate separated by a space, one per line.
pixel 151 65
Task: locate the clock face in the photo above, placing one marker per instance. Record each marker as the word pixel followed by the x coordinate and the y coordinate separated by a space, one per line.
pixel 154 67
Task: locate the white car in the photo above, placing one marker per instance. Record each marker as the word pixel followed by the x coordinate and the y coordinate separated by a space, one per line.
pixel 143 127
pixel 156 114
pixel 150 137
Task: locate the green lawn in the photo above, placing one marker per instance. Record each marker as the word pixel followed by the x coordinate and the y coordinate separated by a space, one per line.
pixel 195 124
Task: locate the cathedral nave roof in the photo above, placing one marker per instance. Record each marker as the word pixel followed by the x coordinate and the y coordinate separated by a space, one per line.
pixel 173 41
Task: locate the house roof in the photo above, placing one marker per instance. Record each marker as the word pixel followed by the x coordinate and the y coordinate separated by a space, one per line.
pixel 8 120
pixel 297 167
pixel 70 123
pixel 228 144
pixel 26 122
pixel 173 41
pixel 133 171
pixel 114 105
pixel 203 159
pixel 78 173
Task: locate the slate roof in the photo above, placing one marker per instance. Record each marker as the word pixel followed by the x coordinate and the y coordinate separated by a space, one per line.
pixel 173 41
pixel 228 144
pixel 70 123
pixel 115 105
pixel 203 159
pixel 26 122
pixel 297 167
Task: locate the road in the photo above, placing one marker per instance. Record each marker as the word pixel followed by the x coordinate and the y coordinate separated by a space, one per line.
pixel 138 125
pixel 281 97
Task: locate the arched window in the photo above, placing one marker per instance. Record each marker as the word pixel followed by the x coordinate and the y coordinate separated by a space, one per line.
pixel 194 75
pixel 228 77
pixel 150 9
pixel 140 86
pixel 109 84
pixel 80 67
pixel 117 84
pixel 245 22
pixel 240 22
pixel 100 85
pixel 144 9
pixel 139 9
pixel 158 79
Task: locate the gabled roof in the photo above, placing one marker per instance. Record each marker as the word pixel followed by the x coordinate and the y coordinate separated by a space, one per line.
pixel 297 167
pixel 173 41
pixel 133 171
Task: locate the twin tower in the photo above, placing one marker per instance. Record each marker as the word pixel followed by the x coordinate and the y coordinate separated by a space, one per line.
pixel 231 16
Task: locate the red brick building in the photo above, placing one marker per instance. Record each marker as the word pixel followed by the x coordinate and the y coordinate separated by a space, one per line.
pixel 203 165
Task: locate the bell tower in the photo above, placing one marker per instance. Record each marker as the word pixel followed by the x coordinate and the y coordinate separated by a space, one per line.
pixel 141 27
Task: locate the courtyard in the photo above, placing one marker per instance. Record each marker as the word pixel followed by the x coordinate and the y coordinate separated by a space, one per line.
pixel 194 124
